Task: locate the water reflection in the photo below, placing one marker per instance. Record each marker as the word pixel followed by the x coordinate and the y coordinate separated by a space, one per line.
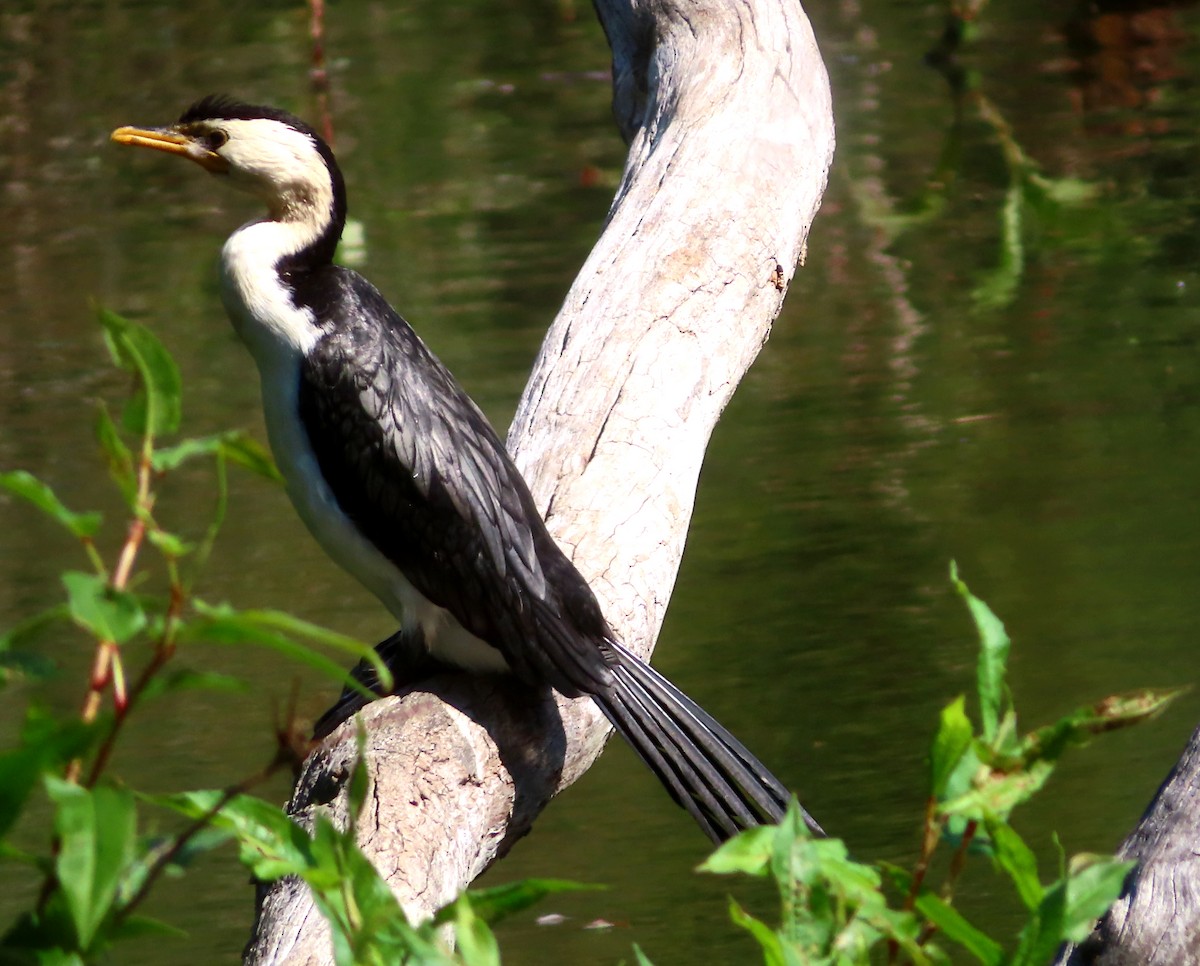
pixel 894 421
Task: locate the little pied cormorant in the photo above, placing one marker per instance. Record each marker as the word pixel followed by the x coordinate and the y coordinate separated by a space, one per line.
pixel 404 483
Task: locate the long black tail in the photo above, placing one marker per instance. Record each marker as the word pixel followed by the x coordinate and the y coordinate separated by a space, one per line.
pixel 704 767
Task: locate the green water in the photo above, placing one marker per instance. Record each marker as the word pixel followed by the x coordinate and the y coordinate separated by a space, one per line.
pixel 1027 404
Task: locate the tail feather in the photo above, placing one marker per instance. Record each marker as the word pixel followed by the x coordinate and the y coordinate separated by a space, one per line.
pixel 710 775
pixel 680 764
pixel 705 768
pixel 650 743
pixel 731 756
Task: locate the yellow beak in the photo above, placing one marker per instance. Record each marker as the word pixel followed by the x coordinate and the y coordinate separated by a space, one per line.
pixel 172 142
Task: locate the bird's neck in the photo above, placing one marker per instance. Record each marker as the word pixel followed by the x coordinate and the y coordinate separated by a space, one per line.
pixel 263 260
pixel 308 220
pixel 259 265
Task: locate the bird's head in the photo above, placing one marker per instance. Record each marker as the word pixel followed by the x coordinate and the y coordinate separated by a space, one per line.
pixel 267 152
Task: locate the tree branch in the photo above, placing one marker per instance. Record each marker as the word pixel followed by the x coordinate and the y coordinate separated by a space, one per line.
pixel 726 109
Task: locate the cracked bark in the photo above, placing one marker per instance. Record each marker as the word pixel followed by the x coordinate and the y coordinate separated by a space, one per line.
pixel 726 109
pixel 1156 921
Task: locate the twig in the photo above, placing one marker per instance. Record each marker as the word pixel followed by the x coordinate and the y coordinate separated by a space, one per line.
pixel 318 73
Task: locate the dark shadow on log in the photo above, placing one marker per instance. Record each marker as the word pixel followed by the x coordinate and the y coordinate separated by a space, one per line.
pixel 522 721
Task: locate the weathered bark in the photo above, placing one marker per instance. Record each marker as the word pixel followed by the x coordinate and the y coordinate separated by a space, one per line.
pixel 727 111
pixel 1156 922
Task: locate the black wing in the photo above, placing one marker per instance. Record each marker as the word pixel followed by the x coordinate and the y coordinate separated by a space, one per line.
pixel 412 460
pixel 436 493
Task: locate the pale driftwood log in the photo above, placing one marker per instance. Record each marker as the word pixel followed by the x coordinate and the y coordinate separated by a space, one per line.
pixel 726 108
pixel 1156 921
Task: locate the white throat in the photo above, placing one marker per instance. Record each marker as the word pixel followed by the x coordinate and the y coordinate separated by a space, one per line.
pixel 258 302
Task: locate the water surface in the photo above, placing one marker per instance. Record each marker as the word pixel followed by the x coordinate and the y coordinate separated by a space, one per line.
pixel 1027 404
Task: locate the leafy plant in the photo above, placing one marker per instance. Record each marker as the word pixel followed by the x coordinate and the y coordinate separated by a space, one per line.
pixel 367 924
pixel 97 869
pixel 835 910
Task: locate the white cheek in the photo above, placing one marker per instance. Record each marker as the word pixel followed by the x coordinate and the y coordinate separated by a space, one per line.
pixel 282 167
pixel 269 151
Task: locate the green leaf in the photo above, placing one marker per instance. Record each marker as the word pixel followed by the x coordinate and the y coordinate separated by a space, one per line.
pixel 120 460
pixel 951 743
pixel 111 615
pixel 475 942
pixel 168 458
pixel 45 936
pixel 962 779
pixel 59 957
pixel 907 927
pixel 640 957
pixel 203 842
pixel 26 664
pixel 366 921
pixel 993 658
pixel 1043 934
pixel 96 831
pixel 1063 191
pixel 235 446
pixel 271 844
pixel 155 408
pixel 184 679
pixel 274 620
pixel 141 927
pixel 365 918
pixel 748 852
pixel 183 854
pixel 1095 883
pixel 1117 711
pixel 1016 858
pixel 10 853
pixel 276 630
pixel 250 454
pixel 20 771
pixel 360 781
pixel 31 626
pixel 45 746
pixel 955 927
pixel 29 487
pixel 996 795
pixel 768 940
pixel 169 544
pixel 998 286
pixel 172 853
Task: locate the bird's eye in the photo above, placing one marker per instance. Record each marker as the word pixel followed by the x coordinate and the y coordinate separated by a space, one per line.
pixel 214 140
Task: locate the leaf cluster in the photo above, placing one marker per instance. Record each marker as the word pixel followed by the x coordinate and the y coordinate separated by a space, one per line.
pixel 836 911
pixel 97 868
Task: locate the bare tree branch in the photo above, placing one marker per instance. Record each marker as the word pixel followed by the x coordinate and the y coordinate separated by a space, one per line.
pixel 726 109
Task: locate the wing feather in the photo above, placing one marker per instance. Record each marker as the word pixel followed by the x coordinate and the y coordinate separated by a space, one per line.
pixel 412 460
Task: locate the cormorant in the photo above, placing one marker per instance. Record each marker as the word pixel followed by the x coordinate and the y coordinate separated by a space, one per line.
pixel 404 483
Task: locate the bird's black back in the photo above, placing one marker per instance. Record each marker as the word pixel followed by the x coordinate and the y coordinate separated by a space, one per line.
pixel 412 460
